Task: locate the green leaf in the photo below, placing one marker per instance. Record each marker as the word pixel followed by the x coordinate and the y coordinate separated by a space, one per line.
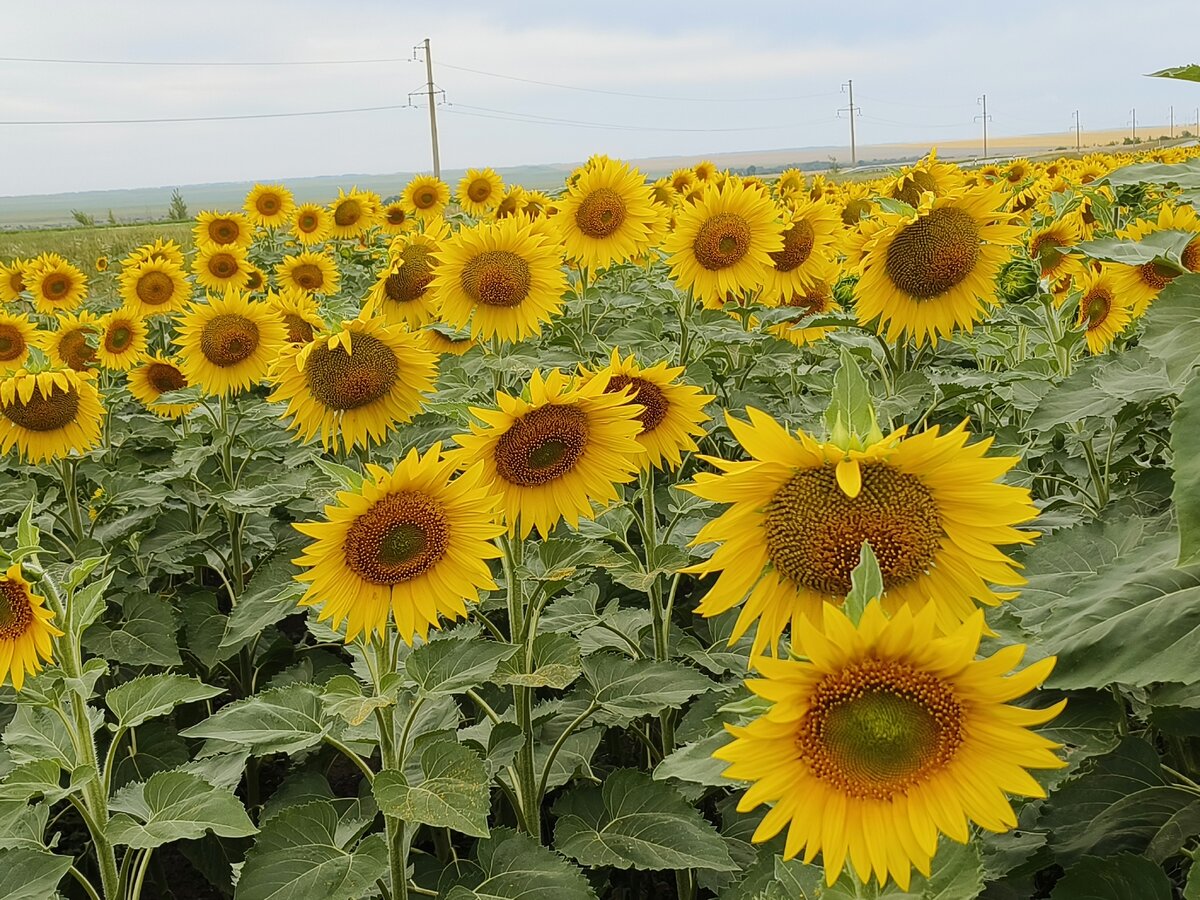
pixel 36 778
pixel 1184 73
pixel 453 795
pixel 145 636
pixel 282 487
pixel 28 534
pixel 1185 175
pixel 172 806
pixel 344 477
pixel 31 874
pixel 155 695
pixel 866 583
pixel 632 688
pixel 453 664
pixel 1185 451
pixel 88 604
pixel 635 822
pixel 512 866
pixel 694 763
pixel 299 853
pixel 850 416
pixel 281 720
pixel 1172 330
pixel 22 825
pixel 1124 877
pixel 270 597
pixel 343 697
pixel 1163 247
pixel 555 663
pixel 36 734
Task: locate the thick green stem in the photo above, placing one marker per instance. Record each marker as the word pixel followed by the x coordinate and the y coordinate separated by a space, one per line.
pixel 392 758
pixel 66 468
pixel 136 891
pixel 521 633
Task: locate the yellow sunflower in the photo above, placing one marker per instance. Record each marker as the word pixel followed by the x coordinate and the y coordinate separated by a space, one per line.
pixel 221 268
pixel 479 191
pixel 815 299
pixel 1104 309
pixel 810 238
pixel 256 280
pixel 122 342
pixel 158 375
pixel 73 344
pixel 683 180
pixel 402 291
pixel 722 244
pixel 425 196
pixel 437 341
pixel 353 214
pixel 312 224
pixel 101 263
pixel 13 279
pixel 215 230
pixel 57 286
pixel 396 219
pixel 1050 247
pixel 501 277
pixel 26 629
pixel 706 170
pixel 790 182
pixel 269 205
pixel 354 385
pixel 926 274
pixel 311 272
pixel 926 175
pixel 414 541
pixel 886 734
pixel 300 314
pixel 48 414
pixel 154 286
pixel 929 505
pixel 228 343
pixel 161 249
pixel 1142 284
pixel 607 216
pixel 17 335
pixel 552 456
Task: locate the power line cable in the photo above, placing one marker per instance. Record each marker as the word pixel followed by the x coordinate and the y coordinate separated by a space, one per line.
pixel 284 115
pixel 192 63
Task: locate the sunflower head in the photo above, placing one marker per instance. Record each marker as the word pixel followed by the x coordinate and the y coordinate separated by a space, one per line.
pixel 402 291
pixel 158 375
pixel 154 287
pixel 310 272
pixel 269 205
pixel 221 268
pixel 13 279
pixel 311 224
pixel 17 335
pixel 160 249
pixel 300 313
pixel 353 214
pixel 26 629
pixel 1105 310
pixel 73 344
pixel 607 216
pixel 222 229
pixel 425 196
pixel 57 286
pixel 122 344
pixel 47 415
pixel 479 191
pixel 228 343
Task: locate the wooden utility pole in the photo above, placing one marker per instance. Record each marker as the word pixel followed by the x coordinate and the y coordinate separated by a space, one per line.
pixel 437 162
pixel 1077 141
pixel 1134 113
pixel 851 112
pixel 983 117
pixel 1172 121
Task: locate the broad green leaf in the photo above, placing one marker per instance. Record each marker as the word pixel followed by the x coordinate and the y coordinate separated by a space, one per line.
pixel 281 720
pixel 36 778
pixel 299 853
pixel 270 597
pixel 555 663
pixel 513 866
pixel 1124 877
pixel 27 874
pixel 151 696
pixel 1101 387
pixel 284 486
pixel 866 583
pixel 694 763
pixel 88 603
pixel 1172 330
pixel 173 806
pixel 145 635
pixel 1185 452
pixel 37 734
pixel 452 665
pixel 343 697
pixel 344 477
pixel 1184 73
pixel 1185 175
pixel 23 825
pixel 631 688
pixel 454 793
pixel 850 416
pixel 635 822
pixel 1163 247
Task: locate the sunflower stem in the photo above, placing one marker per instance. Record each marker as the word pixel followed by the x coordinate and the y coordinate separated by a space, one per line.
pixel 390 756
pixel 67 471
pixel 521 634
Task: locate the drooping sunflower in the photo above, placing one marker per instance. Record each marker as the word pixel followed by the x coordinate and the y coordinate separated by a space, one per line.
pixel 46 415
pixel 722 244
pixel 441 343
pixel 926 274
pixel 221 268
pixel 17 335
pixel 1104 309
pixel 672 412
pixel 1050 247
pixel 154 286
pixel 158 375
pixel 309 271
pixel 354 385
pixel 706 170
pixel 479 191
pixel 215 230
pixel 790 182
pixel 810 238
pixel 256 279
pixel 815 299
pixel 73 344
pixel 396 219
pixel 929 505
pixel 12 279
pixel 607 216
pixel 402 291
pixel 161 249
pixel 353 214
pixel 928 174
pixel 26 629
pixel 300 314
pixel 511 202
pixel 426 196
pixel 228 343
pixel 683 180
pixel 885 735
pixel 269 205
pixel 552 456
pixel 414 541
pixel 57 286
pixel 501 277
pixel 1142 284
pixel 122 344
pixel 311 224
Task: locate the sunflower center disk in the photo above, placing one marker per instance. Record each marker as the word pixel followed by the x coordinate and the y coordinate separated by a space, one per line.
pixel 1190 258
pixel 155 288
pixel 223 265
pixel 815 532
pixel 16 614
pixel 409 282
pixel 497 278
pixel 118 338
pixel 12 344
pixel 396 216
pixel 479 190
pixel 426 199
pixel 165 378
pixel 601 213
pixel 307 222
pixel 401 536
pixel 228 339
pixel 855 210
pixel 542 445
pixel 877 728
pixel 1156 275
pixel 798 244
pixel 1045 249
pixel 75 350
pixel 16 281
pixel 646 394
pixel 1095 307
pixel 56 286
pixel 299 331
pixel 348 212
pixel 934 253
pixel 341 380
pixel 268 204
pixel 40 413
pixel 223 231
pixel 721 241
pixel 309 276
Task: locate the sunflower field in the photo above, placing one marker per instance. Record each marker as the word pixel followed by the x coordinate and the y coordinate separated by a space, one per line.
pixel 714 537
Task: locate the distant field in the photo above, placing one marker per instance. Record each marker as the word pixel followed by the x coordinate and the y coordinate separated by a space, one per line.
pixel 84 245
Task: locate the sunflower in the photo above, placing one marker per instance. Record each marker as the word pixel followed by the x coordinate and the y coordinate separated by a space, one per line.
pixel 221 268
pixel 1104 310
pixel 663 194
pixel 437 341
pixel 415 540
pixel 122 343
pixel 402 292
pixel 222 230
pixel 790 182
pixel 929 505
pixel 1018 170
pixel 228 344
pixel 536 204
pixel 1050 248
pixel 101 263
pixel 425 196
pixel 926 175
pixel 161 249
pixel 1145 282
pixel 300 314
pixel 48 414
pixel 269 205
pixel 607 216
pixel 815 299
pixel 13 277
pixel 810 238
pixel 683 180
pixel 501 277
pixel 154 286
pixel 479 191
pixel 311 272
pixel 354 385
pixel 57 286
pixel 353 214
pixel 705 170
pixel 26 627
pixel 17 335
pixel 311 224
pixel 510 202
pixel 73 344
pixel 396 219
pixel 158 375
pixel 925 274
pixel 886 734
pixel 552 456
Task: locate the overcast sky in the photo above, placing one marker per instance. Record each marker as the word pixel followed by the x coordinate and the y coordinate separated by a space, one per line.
pixel 766 77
